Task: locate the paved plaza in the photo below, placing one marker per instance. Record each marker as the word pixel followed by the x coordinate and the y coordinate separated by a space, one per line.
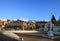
pixel 36 37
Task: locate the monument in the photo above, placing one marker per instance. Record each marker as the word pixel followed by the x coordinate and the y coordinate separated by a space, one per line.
pixel 49 28
pixel 50 32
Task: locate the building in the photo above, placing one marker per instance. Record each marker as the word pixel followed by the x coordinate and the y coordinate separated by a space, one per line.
pixel 58 21
pixel 40 24
pixel 32 24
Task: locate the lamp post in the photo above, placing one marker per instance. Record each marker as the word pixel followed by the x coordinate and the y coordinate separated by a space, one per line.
pixel 23 28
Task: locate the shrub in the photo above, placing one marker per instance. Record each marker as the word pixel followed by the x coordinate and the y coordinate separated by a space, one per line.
pixel 59 30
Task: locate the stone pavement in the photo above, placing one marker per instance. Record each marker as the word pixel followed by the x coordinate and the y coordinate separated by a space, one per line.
pixel 34 37
pixel 38 35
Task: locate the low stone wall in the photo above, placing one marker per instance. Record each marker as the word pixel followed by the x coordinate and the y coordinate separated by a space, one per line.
pixel 18 31
pixel 5 38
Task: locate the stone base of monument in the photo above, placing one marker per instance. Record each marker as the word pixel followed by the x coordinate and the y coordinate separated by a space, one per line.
pixel 50 33
pixel 50 37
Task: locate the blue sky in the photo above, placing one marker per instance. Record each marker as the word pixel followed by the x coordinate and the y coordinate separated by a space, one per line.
pixel 29 9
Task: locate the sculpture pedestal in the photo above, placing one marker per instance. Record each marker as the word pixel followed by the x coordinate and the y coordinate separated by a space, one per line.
pixel 51 33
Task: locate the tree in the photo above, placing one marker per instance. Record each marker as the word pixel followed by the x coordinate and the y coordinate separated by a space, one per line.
pixel 53 20
pixel 13 25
